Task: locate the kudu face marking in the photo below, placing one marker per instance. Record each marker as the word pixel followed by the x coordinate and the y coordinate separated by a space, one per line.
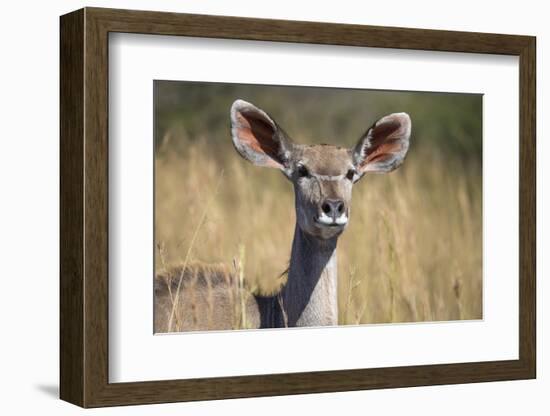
pixel 322 175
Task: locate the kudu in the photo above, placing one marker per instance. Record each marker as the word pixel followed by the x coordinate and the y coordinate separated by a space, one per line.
pixel 323 177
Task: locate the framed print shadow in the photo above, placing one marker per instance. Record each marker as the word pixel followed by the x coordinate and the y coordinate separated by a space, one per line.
pixel 255 207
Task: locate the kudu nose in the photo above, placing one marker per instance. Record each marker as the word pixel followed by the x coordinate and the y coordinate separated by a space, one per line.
pixel 333 207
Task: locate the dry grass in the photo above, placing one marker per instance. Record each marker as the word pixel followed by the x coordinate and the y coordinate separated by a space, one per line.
pixel 412 251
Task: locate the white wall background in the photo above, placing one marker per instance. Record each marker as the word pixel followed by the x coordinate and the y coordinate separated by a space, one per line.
pixel 29 159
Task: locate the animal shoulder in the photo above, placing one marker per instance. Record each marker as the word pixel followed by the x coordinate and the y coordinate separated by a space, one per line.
pixel 194 274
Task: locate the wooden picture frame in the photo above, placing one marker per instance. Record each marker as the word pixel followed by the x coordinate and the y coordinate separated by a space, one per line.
pixel 84 207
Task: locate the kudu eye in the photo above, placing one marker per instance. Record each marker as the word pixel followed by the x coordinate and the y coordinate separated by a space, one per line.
pixel 302 171
pixel 351 174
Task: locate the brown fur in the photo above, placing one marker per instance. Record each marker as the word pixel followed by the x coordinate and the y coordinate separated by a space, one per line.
pixel 210 298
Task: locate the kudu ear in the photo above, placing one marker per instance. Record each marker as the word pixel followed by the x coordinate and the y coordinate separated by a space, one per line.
pixel 258 138
pixel 384 146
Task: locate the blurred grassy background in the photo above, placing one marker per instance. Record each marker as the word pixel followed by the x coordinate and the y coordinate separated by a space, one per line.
pixel 413 248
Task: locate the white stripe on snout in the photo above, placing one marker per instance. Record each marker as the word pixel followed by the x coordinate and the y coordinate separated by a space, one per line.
pixel 328 177
pixel 325 219
pixel 342 219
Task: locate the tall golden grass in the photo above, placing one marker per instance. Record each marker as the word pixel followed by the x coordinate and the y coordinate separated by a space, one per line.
pixel 412 250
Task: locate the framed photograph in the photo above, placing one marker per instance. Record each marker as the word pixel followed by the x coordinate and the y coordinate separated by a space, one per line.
pixel 257 207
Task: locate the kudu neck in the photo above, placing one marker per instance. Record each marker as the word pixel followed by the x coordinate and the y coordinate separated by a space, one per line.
pixel 310 296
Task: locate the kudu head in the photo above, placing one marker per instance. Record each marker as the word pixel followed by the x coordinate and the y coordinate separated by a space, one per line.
pixel 322 175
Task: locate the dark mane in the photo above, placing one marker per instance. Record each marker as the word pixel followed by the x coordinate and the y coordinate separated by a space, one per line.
pixel 199 274
pixel 195 274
